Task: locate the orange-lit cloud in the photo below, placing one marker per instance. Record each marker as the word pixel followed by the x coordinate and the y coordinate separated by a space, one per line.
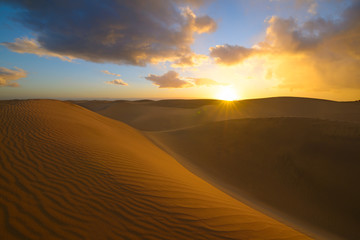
pixel 8 75
pixel 172 79
pixel 204 82
pixel 203 24
pixel 321 54
pixel 135 32
pixel 117 82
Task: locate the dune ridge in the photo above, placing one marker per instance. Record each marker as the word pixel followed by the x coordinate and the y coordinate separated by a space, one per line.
pixel 69 173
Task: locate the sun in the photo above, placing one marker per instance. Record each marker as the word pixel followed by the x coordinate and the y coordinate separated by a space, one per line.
pixel 227 93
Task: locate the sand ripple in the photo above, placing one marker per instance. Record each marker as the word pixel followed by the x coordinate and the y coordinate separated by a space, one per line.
pixel 68 173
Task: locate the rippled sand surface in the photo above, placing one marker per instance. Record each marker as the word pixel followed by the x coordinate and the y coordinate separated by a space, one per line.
pixel 69 173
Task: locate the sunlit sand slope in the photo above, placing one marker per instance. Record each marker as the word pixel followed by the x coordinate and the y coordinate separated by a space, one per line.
pixel 174 114
pixel 69 173
pixel 307 169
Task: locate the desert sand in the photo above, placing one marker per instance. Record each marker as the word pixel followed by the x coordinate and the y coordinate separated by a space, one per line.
pixel 296 159
pixel 300 169
pixel 69 173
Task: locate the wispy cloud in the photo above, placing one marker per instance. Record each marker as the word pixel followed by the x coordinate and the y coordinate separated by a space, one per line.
pixel 310 5
pixel 8 75
pixel 117 82
pixel 109 73
pixel 204 82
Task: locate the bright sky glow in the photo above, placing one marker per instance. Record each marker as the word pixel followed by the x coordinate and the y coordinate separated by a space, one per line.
pixel 227 93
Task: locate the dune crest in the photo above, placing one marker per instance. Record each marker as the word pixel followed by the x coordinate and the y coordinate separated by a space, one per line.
pixel 69 173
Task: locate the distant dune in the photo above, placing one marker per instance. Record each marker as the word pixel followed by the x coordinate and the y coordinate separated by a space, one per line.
pixel 305 169
pixel 69 173
pixel 175 114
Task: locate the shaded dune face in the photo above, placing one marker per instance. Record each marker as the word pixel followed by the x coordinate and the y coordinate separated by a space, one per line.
pixel 68 173
pixel 306 169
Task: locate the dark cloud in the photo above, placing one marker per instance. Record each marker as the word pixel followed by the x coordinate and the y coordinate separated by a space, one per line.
pixel 117 82
pixel 8 75
pixel 319 53
pixel 133 32
pixel 172 79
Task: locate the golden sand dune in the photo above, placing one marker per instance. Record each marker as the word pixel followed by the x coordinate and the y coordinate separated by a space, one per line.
pixel 305 169
pixel 174 114
pixel 69 173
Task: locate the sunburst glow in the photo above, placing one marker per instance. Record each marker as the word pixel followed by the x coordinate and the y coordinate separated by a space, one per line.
pixel 227 93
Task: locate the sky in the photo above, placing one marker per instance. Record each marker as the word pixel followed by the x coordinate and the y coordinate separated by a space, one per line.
pixel 156 49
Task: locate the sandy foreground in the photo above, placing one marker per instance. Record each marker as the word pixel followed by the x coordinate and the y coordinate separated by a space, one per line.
pixel 69 173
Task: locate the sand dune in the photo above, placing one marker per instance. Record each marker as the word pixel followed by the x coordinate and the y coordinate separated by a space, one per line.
pixel 175 114
pixel 146 115
pixel 69 173
pixel 305 169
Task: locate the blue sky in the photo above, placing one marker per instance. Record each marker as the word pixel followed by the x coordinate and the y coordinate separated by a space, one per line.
pixel 239 23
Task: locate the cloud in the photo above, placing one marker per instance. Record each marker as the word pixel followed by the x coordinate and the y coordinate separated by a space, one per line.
pixel 26 45
pixel 172 79
pixel 230 54
pixel 135 32
pixel 319 53
pixel 117 82
pixel 312 8
pixel 189 60
pixel 311 5
pixel 8 75
pixel 109 73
